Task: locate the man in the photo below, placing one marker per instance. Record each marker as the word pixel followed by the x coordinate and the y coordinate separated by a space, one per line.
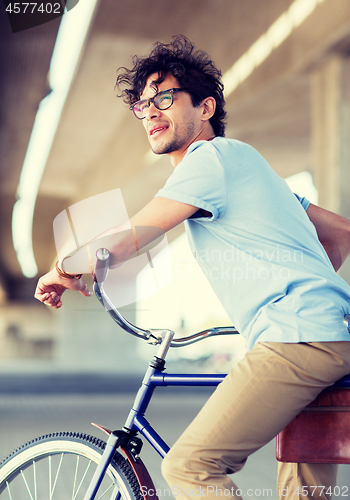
pixel 270 257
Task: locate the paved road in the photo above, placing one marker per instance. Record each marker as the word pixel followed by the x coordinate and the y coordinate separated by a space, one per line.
pixel 25 416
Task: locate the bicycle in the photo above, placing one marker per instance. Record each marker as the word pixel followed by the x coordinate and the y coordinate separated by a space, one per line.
pixel 77 466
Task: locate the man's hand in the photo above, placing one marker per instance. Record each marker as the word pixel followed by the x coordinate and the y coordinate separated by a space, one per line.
pixel 51 287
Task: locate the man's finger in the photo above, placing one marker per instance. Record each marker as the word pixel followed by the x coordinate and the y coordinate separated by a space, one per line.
pixel 42 296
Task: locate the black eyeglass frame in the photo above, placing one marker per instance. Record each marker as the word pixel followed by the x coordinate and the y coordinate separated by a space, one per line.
pixel 151 99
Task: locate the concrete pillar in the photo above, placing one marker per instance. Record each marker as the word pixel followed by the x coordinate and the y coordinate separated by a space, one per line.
pixel 331 137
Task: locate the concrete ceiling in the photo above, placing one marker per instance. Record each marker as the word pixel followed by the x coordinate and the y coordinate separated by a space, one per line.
pixel 99 145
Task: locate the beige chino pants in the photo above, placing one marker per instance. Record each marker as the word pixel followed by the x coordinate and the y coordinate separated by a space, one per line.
pixel 257 399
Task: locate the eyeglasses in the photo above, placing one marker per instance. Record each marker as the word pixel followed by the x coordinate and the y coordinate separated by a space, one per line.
pixel 163 100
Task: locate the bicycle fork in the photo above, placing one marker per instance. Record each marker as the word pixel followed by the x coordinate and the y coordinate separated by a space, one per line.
pixel 106 458
pixel 126 439
pixel 131 447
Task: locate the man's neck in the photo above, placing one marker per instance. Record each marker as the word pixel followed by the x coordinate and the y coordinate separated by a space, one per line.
pixel 177 156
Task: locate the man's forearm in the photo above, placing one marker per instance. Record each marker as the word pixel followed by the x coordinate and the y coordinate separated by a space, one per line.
pixel 333 231
pixel 155 219
pixel 121 245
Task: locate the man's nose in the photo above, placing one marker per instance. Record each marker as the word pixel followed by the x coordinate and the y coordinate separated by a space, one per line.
pixel 152 111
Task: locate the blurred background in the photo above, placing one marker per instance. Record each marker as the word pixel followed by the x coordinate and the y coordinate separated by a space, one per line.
pixel 65 137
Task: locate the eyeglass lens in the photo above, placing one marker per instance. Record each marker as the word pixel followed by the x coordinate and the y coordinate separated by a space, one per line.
pixel 162 100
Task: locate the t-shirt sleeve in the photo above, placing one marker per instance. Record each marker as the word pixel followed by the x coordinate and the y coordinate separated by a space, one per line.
pixel 303 201
pixel 198 180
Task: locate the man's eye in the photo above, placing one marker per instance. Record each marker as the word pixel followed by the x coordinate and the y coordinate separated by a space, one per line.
pixel 144 106
pixel 141 107
pixel 164 99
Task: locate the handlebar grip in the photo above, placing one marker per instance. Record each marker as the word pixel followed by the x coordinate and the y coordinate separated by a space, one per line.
pixel 102 265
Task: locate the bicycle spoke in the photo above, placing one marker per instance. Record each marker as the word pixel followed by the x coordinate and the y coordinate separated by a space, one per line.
pixel 81 482
pixel 34 476
pixel 55 482
pixel 8 489
pixel 116 495
pixel 75 475
pixel 50 482
pixel 103 494
pixel 25 482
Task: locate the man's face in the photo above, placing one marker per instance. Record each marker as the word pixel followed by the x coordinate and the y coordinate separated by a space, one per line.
pixel 171 131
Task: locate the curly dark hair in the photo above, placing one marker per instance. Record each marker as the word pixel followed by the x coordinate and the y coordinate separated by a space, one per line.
pixel 193 69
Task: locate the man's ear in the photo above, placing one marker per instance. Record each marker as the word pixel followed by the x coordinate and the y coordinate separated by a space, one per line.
pixel 208 108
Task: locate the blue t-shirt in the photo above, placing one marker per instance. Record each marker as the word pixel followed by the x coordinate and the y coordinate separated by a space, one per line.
pixel 258 249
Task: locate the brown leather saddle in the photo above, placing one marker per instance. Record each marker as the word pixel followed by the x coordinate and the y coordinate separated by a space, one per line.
pixel 321 432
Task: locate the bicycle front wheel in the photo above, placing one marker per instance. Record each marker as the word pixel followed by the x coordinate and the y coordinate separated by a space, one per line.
pixel 60 466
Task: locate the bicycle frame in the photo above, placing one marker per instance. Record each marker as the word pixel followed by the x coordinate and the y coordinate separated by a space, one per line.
pixel 155 376
pixel 136 423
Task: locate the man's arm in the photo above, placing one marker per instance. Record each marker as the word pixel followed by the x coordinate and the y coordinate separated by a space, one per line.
pixel 160 213
pixel 333 231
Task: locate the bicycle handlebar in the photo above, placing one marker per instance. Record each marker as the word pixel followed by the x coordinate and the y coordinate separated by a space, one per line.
pixel 100 274
pixel 152 336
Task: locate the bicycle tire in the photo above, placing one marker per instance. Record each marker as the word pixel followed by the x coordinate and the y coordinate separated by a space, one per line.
pixel 59 466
